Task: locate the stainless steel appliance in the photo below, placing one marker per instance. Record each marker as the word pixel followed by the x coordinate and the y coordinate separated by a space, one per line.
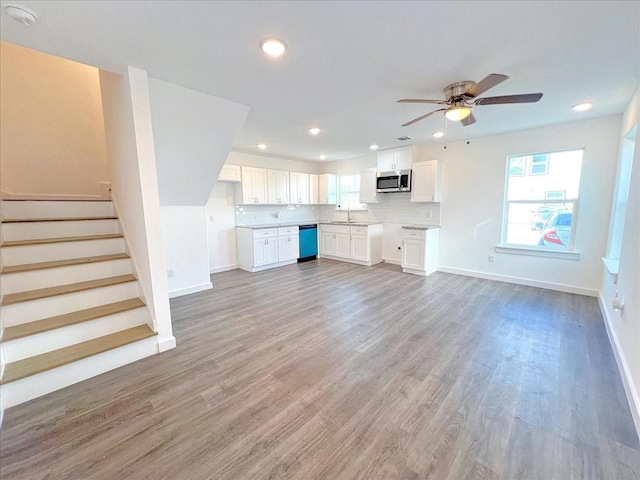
pixel 396 181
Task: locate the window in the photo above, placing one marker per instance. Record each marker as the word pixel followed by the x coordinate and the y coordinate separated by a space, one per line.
pixel 349 193
pixel 622 194
pixel 540 205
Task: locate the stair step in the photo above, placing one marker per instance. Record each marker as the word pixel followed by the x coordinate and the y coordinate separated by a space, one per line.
pixel 67 219
pixel 44 241
pixel 47 324
pixel 29 267
pixel 19 297
pixel 57 358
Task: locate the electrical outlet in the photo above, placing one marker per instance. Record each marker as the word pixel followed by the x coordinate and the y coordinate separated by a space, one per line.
pixel 491 258
pixel 170 273
pixel 429 214
pixel 211 218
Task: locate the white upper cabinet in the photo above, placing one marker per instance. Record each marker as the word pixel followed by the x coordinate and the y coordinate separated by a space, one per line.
pixel 368 181
pixel 399 158
pixel 254 185
pixel 322 189
pixel 278 186
pixel 299 188
pixel 229 173
pixel 426 181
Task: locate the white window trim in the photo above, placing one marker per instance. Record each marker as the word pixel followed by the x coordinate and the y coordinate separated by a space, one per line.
pixel 539 252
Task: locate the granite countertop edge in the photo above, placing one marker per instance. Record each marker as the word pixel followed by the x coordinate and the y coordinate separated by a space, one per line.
pixel 420 227
pixel 297 224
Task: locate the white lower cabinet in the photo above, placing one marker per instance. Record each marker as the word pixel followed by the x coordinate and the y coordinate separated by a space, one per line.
pixel 360 244
pixel 262 248
pixel 419 251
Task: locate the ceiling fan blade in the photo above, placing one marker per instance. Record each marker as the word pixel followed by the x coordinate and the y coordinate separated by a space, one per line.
pixel 418 100
pixel 415 120
pixel 485 84
pixel 524 98
pixel 468 120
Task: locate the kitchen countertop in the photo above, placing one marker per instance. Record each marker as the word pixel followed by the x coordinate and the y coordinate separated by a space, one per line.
pixel 297 224
pixel 420 227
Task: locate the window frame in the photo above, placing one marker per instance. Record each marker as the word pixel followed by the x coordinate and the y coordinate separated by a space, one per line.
pixel 537 250
pixel 352 207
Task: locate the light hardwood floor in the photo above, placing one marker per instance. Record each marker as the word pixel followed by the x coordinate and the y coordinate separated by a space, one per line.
pixel 327 370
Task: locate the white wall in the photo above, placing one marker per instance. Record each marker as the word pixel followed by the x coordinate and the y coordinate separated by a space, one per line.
pixel 473 183
pixel 127 120
pixel 624 328
pixel 184 230
pixel 221 228
pixel 193 133
pixel 275 163
pixel 52 140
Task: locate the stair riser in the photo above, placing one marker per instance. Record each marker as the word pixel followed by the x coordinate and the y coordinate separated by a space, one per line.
pixel 26 389
pixel 49 252
pixel 36 230
pixel 44 209
pixel 63 337
pixel 20 313
pixel 50 277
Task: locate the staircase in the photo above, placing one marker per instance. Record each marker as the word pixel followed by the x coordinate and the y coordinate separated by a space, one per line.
pixel 71 305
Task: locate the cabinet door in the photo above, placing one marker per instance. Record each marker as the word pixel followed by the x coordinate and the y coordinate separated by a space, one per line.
pixel 327 189
pixel 272 186
pixel 288 248
pixel 314 189
pixel 359 247
pixel 278 186
pixel 283 187
pixel 368 181
pixel 259 252
pixel 424 182
pixel 260 185
pixel 247 185
pixel 404 158
pixel 303 188
pixel 271 250
pixel 413 254
pixel 343 245
pixel 294 247
pixel 229 173
pixel 386 160
pixel 327 243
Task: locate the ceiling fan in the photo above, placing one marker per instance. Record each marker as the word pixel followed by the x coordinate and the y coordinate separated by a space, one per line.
pixel 461 96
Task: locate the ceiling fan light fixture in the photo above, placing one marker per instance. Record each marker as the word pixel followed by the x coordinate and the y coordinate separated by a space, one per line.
pixel 457 113
pixel 273 47
pixel 582 107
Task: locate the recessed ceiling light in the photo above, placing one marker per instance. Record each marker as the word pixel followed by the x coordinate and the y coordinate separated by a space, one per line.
pixel 582 107
pixel 323 157
pixel 261 146
pixel 438 134
pixel 21 14
pixel 273 47
pixel 373 147
pixel 314 130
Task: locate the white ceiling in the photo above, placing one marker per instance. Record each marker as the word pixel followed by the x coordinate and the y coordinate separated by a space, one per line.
pixel 348 62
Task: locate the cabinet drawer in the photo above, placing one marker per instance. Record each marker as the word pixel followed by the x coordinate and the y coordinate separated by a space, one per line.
pixel 264 233
pixel 284 231
pixel 359 230
pixel 336 228
pixel 415 234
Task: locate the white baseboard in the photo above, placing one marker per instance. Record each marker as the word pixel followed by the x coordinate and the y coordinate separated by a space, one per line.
pixel 166 344
pixel 559 287
pixel 627 380
pixel 225 268
pixel 194 289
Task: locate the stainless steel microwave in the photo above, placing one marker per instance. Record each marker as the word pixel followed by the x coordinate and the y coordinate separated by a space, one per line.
pixel 396 181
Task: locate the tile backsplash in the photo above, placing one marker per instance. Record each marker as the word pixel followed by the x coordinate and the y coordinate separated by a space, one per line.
pixel 392 208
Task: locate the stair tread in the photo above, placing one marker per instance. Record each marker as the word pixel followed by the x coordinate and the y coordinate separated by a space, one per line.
pixel 63 356
pixel 59 321
pixel 28 295
pixel 63 219
pixel 28 267
pixel 43 241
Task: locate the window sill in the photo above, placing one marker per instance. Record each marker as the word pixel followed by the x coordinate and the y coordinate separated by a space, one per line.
pixel 538 252
pixel 612 264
